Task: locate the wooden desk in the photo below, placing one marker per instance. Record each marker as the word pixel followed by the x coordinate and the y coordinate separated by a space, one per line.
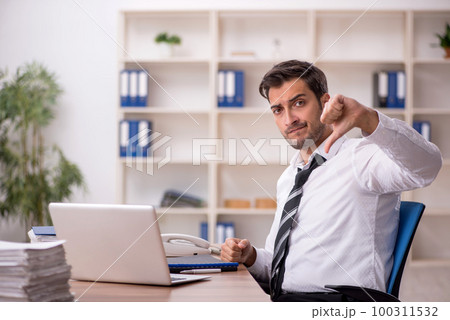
pixel 232 286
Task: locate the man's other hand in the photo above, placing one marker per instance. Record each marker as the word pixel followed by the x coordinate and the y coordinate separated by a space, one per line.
pixel 238 250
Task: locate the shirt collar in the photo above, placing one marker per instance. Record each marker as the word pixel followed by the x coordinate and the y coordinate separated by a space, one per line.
pixel 297 161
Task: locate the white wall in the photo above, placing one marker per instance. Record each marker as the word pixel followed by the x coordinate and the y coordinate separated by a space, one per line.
pixel 76 40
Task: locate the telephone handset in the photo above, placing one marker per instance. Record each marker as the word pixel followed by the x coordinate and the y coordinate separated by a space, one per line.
pixel 176 245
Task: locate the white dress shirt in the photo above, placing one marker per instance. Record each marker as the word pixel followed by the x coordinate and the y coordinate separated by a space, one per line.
pixel 346 225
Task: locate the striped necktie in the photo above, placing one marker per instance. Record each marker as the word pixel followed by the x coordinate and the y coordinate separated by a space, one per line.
pixel 281 246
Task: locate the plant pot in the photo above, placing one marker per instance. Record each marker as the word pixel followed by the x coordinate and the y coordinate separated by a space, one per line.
pixel 165 50
pixel 447 51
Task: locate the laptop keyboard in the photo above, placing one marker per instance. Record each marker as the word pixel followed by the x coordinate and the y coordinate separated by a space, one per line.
pixel 173 278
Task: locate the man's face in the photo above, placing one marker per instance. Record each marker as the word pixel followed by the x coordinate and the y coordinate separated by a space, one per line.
pixel 297 114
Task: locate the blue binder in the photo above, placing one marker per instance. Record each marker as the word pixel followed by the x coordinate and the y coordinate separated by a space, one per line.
pixel 221 88
pixel 239 89
pixel 401 89
pixel 133 85
pixel 392 90
pixel 123 137
pixel 143 143
pixel 124 88
pixel 424 128
pixel 224 230
pixel 230 91
pixel 134 138
pixel 204 230
pixel 380 89
pixel 142 89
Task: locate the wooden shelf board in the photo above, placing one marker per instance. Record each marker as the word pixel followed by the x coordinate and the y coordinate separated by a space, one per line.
pixel 431 61
pixel 245 211
pixel 243 110
pixel 141 160
pixel 392 111
pixel 357 62
pixel 248 60
pixel 178 60
pixel 253 163
pixel 193 211
pixel 160 110
pixel 432 111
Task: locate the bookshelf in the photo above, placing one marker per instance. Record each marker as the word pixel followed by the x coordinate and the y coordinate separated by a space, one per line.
pixel 187 109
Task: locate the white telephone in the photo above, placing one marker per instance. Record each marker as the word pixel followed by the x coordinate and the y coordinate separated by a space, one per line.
pixel 176 245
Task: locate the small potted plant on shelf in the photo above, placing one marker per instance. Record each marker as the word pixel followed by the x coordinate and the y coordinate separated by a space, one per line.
pixel 445 40
pixel 166 43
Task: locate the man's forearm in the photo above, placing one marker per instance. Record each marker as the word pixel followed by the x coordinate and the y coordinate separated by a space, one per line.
pixel 369 121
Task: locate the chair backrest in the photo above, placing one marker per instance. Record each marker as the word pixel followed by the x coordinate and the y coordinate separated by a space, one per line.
pixel 410 214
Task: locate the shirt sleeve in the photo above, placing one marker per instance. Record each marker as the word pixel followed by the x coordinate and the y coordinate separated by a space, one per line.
pixel 260 270
pixel 396 158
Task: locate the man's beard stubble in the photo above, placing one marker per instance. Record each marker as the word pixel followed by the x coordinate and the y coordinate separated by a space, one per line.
pixel 309 141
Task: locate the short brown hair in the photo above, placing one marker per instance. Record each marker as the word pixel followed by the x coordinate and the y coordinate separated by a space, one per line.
pixel 314 78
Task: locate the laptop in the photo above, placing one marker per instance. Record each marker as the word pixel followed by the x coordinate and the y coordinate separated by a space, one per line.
pixel 114 243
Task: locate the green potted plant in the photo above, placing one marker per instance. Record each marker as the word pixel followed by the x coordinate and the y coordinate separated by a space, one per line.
pixel 445 40
pixel 31 174
pixel 166 43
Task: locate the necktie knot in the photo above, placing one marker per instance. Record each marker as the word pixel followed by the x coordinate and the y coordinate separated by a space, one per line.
pixel 303 175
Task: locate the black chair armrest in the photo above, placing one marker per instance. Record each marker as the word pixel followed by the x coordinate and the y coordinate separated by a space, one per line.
pixel 362 294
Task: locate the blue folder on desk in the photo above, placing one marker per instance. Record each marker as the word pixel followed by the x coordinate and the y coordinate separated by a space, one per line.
pixel 204 261
pixel 44 230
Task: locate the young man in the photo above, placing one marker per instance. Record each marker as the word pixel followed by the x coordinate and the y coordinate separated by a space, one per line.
pixel 338 201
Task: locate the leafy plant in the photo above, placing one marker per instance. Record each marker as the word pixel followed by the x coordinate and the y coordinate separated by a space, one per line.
pixel 164 37
pixel 445 38
pixel 28 183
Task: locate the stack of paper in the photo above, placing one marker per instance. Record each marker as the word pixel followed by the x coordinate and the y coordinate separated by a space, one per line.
pixel 34 272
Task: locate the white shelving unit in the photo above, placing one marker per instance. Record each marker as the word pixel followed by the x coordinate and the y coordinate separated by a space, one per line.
pixel 182 105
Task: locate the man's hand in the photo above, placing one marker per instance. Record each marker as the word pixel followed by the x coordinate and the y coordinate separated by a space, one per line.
pixel 344 114
pixel 237 250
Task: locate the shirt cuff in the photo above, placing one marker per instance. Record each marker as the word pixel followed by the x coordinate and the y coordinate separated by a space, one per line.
pixel 258 267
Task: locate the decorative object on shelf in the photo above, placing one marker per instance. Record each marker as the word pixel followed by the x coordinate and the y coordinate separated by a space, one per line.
pixel 28 182
pixel 265 203
pixel 237 203
pixel 166 43
pixel 230 91
pixel 445 40
pixel 176 199
pixel 277 51
pixel 133 88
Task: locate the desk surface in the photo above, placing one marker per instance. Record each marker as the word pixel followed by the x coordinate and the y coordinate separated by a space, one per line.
pixel 233 286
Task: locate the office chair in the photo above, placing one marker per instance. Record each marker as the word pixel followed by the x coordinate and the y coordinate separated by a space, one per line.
pixel 410 214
